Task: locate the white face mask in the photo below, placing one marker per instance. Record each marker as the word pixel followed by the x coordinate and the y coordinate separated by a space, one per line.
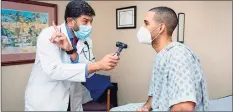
pixel 144 36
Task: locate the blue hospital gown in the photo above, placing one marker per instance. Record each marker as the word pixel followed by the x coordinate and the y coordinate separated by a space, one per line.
pixel 177 77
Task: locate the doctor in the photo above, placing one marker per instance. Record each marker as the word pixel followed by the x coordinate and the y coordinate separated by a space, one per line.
pixel 64 59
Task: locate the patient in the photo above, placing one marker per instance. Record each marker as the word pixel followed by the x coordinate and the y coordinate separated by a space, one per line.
pixel 177 82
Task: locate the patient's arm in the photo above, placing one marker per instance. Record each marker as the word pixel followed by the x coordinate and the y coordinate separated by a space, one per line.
pixel 183 106
pixel 148 103
pixel 146 106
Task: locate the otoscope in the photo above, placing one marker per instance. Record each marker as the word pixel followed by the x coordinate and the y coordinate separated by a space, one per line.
pixel 121 46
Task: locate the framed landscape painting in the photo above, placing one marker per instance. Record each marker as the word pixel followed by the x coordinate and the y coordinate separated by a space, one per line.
pixel 22 22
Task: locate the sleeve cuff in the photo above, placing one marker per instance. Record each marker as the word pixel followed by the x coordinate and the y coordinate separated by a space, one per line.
pixel 149 94
pixel 191 98
pixel 76 61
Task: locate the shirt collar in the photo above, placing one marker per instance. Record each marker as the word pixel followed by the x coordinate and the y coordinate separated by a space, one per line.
pixel 69 32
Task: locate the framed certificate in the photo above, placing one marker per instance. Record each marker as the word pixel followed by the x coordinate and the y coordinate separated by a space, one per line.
pixel 126 17
pixel 181 26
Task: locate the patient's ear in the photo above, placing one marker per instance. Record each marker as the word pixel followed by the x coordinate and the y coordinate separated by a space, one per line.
pixel 162 28
pixel 183 106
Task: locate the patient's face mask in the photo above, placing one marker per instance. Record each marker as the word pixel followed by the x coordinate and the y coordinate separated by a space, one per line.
pixel 144 36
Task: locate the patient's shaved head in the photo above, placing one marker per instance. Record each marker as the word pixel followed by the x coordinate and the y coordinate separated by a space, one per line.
pixel 167 16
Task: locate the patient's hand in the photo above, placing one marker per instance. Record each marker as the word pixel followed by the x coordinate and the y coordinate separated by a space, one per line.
pixel 144 108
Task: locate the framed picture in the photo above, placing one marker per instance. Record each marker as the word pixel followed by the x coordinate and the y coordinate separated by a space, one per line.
pixel 22 22
pixel 181 26
pixel 126 17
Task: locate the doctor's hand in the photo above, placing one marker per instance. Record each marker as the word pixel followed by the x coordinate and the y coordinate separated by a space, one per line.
pixel 108 62
pixel 60 39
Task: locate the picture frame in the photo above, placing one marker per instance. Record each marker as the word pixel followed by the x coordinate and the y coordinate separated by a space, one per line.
pixel 181 27
pixel 126 17
pixel 22 21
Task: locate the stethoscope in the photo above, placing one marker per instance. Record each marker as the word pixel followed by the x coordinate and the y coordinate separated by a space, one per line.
pixel 89 54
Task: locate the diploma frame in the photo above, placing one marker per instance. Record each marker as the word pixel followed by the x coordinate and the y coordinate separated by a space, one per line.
pixel 126 17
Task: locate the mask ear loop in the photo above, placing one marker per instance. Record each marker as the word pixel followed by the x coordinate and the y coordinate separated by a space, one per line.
pixel 156 35
pixel 75 23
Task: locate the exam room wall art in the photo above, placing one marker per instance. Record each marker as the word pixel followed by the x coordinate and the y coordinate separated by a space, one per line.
pixel 126 17
pixel 22 22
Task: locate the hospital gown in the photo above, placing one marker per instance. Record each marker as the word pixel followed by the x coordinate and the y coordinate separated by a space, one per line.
pixel 177 77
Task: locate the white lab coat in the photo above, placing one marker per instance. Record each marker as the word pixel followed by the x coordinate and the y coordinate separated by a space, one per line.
pixel 54 77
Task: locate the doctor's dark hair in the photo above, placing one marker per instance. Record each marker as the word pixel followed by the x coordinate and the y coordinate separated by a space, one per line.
pixel 76 8
pixel 167 16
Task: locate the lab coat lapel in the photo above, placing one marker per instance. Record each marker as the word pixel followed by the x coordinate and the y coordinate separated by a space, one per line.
pixel 80 46
pixel 63 30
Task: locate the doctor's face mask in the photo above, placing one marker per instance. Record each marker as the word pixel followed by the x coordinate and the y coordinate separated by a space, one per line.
pixel 82 26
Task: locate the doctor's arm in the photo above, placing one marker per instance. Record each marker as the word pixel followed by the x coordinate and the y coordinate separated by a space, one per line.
pixel 52 64
pixel 51 60
pixel 60 39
